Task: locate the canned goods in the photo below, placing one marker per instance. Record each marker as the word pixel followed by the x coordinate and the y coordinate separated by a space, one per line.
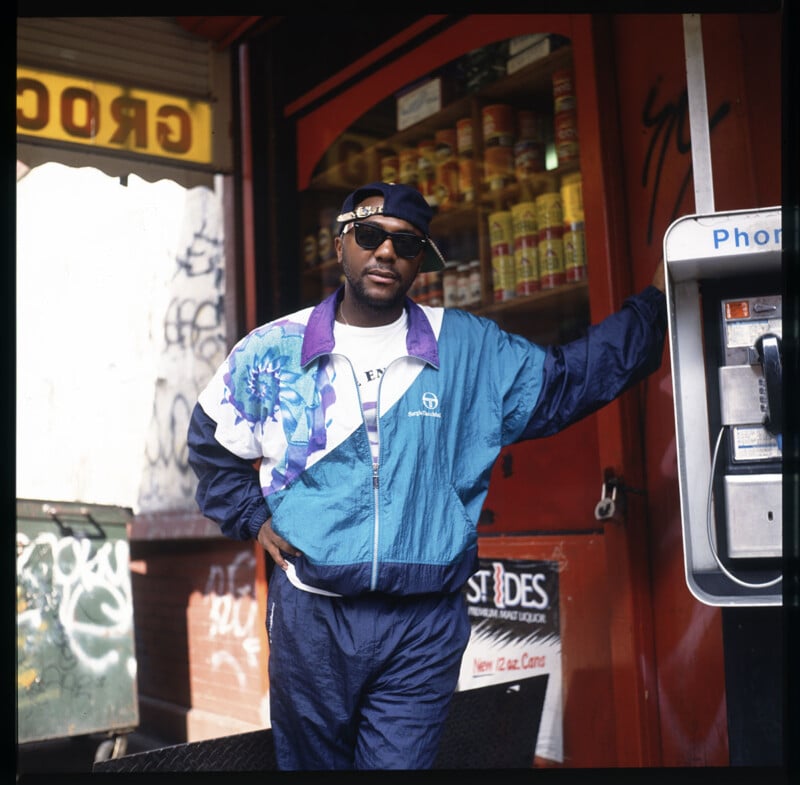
pixel 450 285
pixel 445 143
pixel 566 137
pixel 550 233
pixel 464 136
pixel 501 231
pixel 435 289
pixel 447 187
pixel 523 219
pixel 325 234
pixel 421 288
pixel 475 285
pixel 563 91
pixel 426 151
pixel 390 168
pixel 310 251
pixel 462 284
pixel 498 125
pixel 499 167
pixel 574 252
pixel 530 126
pixel 503 276
pixel 465 187
pixel 526 265
pixel 408 165
pixel 549 211
pixel 572 197
pixel 426 170
pixel 529 158
pixel 551 263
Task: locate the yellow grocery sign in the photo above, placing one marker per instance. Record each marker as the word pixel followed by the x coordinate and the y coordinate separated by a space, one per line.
pixel 109 116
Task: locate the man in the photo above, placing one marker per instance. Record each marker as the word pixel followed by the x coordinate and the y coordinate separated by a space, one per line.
pixel 374 424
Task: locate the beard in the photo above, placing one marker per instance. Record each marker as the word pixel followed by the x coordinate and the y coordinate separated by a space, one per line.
pixel 358 288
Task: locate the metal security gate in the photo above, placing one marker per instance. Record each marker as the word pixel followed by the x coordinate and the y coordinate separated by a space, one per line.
pixel 151 53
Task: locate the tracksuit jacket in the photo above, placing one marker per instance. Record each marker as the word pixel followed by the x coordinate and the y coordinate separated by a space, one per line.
pixel 279 431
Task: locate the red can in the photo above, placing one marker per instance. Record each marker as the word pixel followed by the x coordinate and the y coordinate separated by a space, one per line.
pixel 566 137
pixel 563 91
pixel 498 125
pixel 464 136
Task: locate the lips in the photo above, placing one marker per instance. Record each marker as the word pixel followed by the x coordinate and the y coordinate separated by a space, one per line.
pixel 378 273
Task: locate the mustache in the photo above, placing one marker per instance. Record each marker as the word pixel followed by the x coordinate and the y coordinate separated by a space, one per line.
pixel 384 270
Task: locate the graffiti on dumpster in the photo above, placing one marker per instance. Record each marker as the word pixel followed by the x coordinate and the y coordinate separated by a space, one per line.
pixel 671 122
pixel 74 613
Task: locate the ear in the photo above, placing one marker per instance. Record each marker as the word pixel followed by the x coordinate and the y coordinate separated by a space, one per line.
pixel 339 246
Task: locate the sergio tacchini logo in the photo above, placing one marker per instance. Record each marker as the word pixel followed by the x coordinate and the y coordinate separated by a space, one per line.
pixel 430 403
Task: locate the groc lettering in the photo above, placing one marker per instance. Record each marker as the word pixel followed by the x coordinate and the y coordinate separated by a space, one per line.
pixel 71 99
pixel 180 143
pixel 131 117
pixel 41 117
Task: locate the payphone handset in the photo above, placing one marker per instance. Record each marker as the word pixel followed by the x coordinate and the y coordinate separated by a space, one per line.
pixel 725 332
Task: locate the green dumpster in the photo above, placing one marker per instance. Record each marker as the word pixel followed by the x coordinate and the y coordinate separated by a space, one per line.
pixel 76 661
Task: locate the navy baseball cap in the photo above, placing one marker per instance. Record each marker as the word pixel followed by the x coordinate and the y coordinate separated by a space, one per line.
pixel 399 201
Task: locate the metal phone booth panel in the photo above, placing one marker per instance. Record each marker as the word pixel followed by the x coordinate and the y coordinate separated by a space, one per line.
pixel 724 313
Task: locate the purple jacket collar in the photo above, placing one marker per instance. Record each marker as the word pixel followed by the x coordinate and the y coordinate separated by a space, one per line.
pixel 318 338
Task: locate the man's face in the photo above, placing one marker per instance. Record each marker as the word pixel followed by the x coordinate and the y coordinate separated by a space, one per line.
pixel 378 278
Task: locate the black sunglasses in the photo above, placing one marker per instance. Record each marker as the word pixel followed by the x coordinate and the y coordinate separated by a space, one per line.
pixel 407 245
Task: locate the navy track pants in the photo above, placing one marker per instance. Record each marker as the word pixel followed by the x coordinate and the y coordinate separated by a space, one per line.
pixel 361 682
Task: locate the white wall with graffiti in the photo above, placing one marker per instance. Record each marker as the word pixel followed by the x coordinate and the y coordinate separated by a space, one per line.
pixel 120 292
pixel 120 323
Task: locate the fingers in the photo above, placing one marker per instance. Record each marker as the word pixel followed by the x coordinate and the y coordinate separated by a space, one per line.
pixel 273 544
pixel 659 277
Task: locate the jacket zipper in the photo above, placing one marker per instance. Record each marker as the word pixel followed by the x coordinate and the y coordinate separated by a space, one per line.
pixel 376 525
pixel 375 468
pixel 373 581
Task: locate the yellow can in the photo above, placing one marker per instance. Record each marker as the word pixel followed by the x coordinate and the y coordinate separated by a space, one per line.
pixel 503 276
pixel 549 212
pixel 551 263
pixel 572 197
pixel 523 219
pixel 526 265
pixel 574 252
pixel 501 232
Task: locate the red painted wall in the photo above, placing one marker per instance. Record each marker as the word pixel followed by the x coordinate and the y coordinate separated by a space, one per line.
pixel 742 59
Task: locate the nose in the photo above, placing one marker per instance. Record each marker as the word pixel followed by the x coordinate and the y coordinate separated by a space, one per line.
pixel 386 250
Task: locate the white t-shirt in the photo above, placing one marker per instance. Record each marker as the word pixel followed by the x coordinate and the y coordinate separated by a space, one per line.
pixel 370 350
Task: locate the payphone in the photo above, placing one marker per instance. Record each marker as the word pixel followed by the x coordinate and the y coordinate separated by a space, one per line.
pixel 723 274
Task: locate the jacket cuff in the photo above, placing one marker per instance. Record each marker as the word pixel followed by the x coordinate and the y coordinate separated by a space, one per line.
pixel 256 519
